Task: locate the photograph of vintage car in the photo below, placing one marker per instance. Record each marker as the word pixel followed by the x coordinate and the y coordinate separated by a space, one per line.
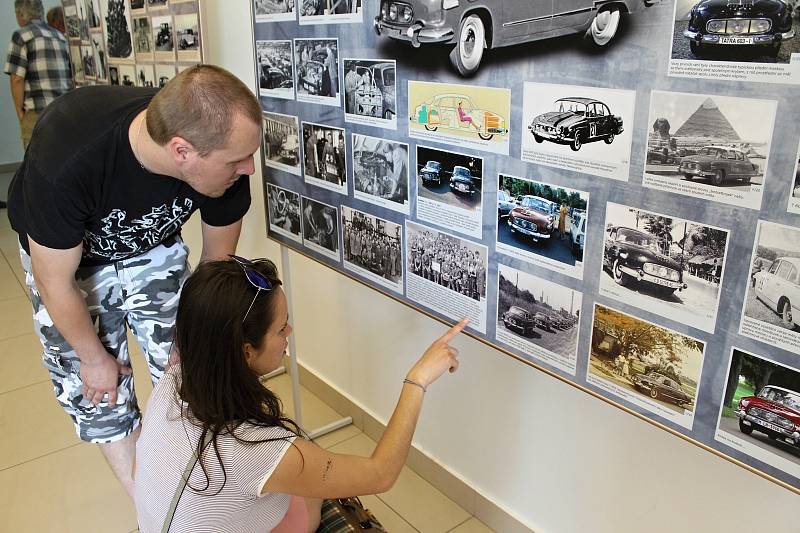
pixel 324 156
pixel 163 35
pixel 717 145
pixel 760 410
pixel 369 91
pixel 281 142
pixel 773 295
pixel 464 115
pixel 662 264
pixel 317 70
pixel 449 178
pixel 283 207
pixel 472 27
pixel 649 365
pixel 187 35
pixel 380 171
pixel 538 316
pixel 275 69
pixel 576 121
pixel 373 248
pixel 536 225
pixel 762 31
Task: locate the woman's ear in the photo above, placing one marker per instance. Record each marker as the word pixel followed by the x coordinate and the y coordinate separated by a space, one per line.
pixel 249 353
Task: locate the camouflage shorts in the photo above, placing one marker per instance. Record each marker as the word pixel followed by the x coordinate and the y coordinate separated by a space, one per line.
pixel 140 293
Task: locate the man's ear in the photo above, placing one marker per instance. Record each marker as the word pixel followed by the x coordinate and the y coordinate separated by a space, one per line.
pixel 180 149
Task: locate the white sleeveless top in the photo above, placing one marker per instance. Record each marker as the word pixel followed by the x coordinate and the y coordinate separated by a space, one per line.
pixel 163 451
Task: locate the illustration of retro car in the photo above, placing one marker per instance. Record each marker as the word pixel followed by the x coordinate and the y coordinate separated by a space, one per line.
pixel 721 23
pixel 633 255
pixel 576 121
pixel 718 164
pixel 431 172
pixel 462 181
pixel 775 411
pixel 519 319
pixel 443 112
pixel 779 289
pixel 661 387
pixel 475 25
pixel 535 217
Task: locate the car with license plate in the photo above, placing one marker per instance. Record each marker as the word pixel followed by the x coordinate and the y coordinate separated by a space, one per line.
pixel 576 121
pixel 661 387
pixel 504 203
pixel 635 256
pixel 543 321
pixel 535 217
pixel 473 26
pixel 718 164
pixel 457 112
pixel 431 172
pixel 775 411
pixel 462 181
pixel 764 24
pixel 779 289
pixel 519 319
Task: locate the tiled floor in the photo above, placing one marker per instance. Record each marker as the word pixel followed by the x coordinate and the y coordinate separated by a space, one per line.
pixel 50 481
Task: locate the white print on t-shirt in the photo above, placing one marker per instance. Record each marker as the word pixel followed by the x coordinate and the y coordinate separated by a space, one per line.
pixel 121 239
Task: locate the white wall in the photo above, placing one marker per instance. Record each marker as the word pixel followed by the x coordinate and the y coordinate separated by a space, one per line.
pixel 557 459
pixel 10 143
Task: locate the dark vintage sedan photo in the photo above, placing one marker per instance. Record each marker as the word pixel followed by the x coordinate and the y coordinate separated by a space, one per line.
pixel 431 172
pixel 719 164
pixel 635 256
pixel 535 217
pixel 519 319
pixel 765 24
pixel 775 411
pixel 462 181
pixel 661 387
pixel 576 121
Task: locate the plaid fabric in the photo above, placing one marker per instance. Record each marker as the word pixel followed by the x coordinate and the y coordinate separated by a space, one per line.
pixel 40 54
pixel 334 520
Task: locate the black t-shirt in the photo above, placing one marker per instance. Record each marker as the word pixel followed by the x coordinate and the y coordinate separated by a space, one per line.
pixel 80 182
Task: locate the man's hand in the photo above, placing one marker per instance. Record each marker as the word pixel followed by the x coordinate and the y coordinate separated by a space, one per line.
pixel 100 378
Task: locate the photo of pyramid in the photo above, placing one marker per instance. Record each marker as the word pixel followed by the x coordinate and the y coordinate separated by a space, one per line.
pixel 708 119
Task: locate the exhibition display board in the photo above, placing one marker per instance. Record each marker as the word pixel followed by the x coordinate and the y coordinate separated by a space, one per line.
pixel 608 189
pixel 141 43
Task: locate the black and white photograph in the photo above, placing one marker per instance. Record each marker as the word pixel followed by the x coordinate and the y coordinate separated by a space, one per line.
pixel 127 75
pixel 100 57
pixel 89 62
pixel 282 142
pixel 274 10
pixel 325 157
pixel 745 40
pixel 142 39
pixel 137 6
pixel 538 318
pixel 794 194
pixel 113 75
pixel 665 265
pixel 373 248
pixel 275 69
pixel 369 92
pixel 164 73
pixel 145 75
pixel 330 11
pixel 93 16
pixel 447 274
pixel 317 71
pixel 771 311
pixel 72 22
pixel 542 224
pixel 450 190
pixel 655 368
pixel 709 147
pixel 321 228
pixel 83 21
pixel 77 63
pixel 380 172
pixel 760 410
pixel 117 29
pixel 157 5
pixel 163 38
pixel 187 36
pixel 283 208
pixel 584 129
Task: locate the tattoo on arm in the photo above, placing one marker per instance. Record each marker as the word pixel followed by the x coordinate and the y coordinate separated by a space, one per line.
pixel 328 466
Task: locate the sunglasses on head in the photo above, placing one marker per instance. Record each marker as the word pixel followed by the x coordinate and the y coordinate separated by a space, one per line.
pixel 255 278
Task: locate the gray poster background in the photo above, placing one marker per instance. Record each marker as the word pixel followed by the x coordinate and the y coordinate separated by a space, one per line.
pixel 638 61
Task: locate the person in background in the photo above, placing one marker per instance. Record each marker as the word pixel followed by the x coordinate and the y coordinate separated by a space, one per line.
pixel 254 471
pixel 562 220
pixel 38 65
pixel 55 19
pixel 98 204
